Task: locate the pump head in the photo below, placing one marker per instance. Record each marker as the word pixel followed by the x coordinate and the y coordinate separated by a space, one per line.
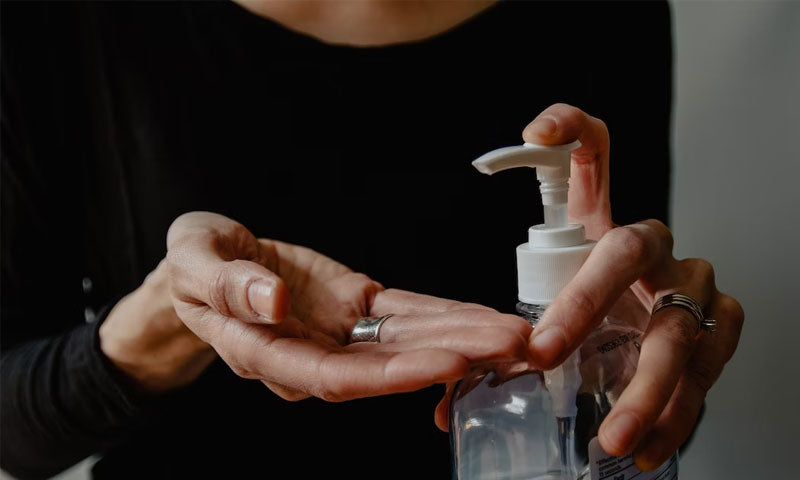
pixel 552 169
pixel 556 249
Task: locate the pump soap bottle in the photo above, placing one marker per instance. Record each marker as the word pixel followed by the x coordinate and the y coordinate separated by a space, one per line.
pixel 534 425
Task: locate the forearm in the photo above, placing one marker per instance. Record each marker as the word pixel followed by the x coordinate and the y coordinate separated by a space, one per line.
pixel 61 401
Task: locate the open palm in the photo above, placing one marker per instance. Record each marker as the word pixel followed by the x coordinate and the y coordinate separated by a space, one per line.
pixel 283 314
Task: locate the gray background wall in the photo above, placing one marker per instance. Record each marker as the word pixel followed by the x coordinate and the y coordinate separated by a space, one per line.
pixel 736 202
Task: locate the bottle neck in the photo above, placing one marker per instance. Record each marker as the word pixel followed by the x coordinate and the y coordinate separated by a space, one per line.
pixel 531 312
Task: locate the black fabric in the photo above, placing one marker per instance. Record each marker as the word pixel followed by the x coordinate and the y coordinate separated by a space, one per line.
pixel 51 388
pixel 118 117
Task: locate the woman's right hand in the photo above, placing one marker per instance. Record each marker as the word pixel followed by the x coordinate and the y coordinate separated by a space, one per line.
pixel 283 314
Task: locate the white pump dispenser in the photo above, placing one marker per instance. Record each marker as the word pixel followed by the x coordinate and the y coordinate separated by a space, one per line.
pixel 555 250
pixel 534 425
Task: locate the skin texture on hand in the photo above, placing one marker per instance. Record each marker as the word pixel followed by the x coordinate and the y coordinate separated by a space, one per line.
pixel 282 314
pixel 678 363
pixel 146 340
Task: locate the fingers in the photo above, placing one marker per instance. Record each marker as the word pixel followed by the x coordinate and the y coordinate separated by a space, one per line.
pixel 214 261
pixel 401 328
pixel 328 372
pixel 621 257
pixel 286 393
pixel 667 346
pixel 477 345
pixel 664 366
pixel 589 202
pixel 347 376
pixel 356 291
pixel 561 123
pixel 404 302
pixel 675 423
pixel 479 333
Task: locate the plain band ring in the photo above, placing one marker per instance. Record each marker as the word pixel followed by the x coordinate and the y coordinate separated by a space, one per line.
pixel 368 329
pixel 689 304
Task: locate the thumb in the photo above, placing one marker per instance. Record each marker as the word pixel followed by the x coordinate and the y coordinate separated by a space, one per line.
pixel 589 201
pixel 213 260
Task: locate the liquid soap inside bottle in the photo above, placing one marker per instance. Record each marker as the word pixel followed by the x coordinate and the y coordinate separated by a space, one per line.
pixel 503 421
pixel 512 423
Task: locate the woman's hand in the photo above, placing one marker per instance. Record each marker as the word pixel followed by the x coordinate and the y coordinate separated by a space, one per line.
pixel 678 363
pixel 283 313
pixel 143 337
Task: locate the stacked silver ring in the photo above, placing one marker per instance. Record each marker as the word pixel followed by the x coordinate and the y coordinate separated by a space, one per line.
pixel 689 304
pixel 368 329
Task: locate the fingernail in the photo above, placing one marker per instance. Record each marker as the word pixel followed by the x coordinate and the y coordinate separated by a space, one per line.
pixel 546 126
pixel 547 346
pixel 622 430
pixel 260 294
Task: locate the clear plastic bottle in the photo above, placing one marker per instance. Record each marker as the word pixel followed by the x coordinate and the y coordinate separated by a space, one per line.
pixel 512 423
pixel 503 424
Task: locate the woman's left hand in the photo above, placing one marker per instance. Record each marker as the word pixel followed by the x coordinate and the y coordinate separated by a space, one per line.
pixel 678 363
pixel 283 314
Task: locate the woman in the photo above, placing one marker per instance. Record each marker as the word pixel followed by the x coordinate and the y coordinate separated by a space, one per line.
pixel 346 128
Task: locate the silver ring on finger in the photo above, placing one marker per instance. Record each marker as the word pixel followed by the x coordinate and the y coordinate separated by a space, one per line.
pixel 689 304
pixel 368 329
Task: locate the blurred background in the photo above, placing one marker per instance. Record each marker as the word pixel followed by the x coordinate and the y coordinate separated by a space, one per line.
pixel 735 200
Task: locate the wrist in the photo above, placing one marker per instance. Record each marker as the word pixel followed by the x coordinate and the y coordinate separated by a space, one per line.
pixel 144 338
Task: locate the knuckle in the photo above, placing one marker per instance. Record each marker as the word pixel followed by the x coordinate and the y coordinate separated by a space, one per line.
pixel 361 290
pixel 241 371
pixel 582 307
pixel 329 386
pixel 688 409
pixel 601 127
pixel 183 219
pixel 633 241
pixel 329 393
pixel 158 279
pixel 362 282
pixel 239 234
pixel 180 224
pixel 700 268
pixel 661 232
pixel 570 111
pixel 516 324
pixel 731 310
pixel 286 393
pixel 218 292
pixel 291 396
pixel 729 313
pixel 702 377
pixel 680 328
pixel 601 124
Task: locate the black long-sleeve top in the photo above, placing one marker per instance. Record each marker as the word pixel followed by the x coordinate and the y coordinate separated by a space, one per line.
pixel 118 117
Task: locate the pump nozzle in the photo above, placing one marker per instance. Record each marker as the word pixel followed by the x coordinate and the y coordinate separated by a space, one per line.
pixel 552 169
pixel 556 249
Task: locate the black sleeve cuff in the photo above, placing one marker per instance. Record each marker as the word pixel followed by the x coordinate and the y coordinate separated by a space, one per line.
pixel 62 400
pixel 115 391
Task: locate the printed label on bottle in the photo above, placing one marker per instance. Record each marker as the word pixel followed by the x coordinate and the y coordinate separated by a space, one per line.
pixel 607 467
